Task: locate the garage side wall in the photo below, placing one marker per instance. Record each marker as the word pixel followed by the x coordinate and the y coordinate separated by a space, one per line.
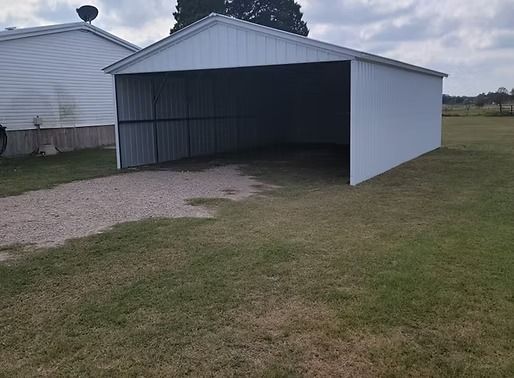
pixel 395 117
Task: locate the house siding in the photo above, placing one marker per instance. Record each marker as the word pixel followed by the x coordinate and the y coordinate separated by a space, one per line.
pixel 58 77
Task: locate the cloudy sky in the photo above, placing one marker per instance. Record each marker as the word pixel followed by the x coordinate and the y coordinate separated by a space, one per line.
pixel 472 40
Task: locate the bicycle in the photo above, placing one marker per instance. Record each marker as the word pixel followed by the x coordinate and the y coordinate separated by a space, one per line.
pixel 3 139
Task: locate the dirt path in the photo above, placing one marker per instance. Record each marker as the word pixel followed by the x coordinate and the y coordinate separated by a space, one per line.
pixel 49 217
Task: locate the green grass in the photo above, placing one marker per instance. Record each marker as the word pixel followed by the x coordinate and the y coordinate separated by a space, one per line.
pixel 409 274
pixel 18 175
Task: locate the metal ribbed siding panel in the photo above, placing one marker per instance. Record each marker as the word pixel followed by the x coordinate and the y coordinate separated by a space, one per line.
pixel 173 141
pixel 395 117
pixel 136 139
pixel 227 134
pixel 221 45
pixel 136 144
pixel 135 103
pixel 203 138
pixel 202 105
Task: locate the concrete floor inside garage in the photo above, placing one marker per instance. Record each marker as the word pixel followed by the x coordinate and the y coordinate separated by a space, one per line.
pixel 295 115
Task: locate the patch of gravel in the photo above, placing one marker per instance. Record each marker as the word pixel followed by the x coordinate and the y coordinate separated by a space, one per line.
pixel 49 217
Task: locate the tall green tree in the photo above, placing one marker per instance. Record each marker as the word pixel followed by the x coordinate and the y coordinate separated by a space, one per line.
pixel 189 11
pixel 279 14
pixel 502 95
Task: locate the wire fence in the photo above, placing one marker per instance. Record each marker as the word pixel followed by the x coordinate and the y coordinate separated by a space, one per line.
pixel 474 110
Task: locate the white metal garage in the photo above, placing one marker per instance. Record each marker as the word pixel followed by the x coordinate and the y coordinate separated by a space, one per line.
pixel 223 84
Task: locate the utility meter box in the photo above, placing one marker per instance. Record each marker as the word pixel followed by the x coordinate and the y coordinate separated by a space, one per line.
pixel 38 121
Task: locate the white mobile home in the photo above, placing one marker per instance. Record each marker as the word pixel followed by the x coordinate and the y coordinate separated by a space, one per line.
pixel 55 73
pixel 223 84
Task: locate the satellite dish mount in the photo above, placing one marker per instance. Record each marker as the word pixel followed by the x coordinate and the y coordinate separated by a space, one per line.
pixel 87 13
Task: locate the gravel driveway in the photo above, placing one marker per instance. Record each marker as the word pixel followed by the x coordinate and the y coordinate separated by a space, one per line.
pixel 49 217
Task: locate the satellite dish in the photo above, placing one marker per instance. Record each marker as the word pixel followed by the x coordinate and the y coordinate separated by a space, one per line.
pixel 87 13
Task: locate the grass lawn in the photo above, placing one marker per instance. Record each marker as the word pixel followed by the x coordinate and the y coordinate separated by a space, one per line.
pixel 409 274
pixel 18 175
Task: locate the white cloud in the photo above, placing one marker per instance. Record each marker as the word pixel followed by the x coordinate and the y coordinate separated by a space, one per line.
pixel 138 21
pixel 471 41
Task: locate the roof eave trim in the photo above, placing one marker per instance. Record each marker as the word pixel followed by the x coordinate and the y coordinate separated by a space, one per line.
pixel 54 29
pixel 402 65
pixel 20 33
pixel 112 37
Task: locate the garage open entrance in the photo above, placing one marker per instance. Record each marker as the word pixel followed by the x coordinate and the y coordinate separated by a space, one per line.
pixel 296 110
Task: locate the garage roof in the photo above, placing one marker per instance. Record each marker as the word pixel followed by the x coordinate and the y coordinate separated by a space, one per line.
pixel 218 41
pixel 8 35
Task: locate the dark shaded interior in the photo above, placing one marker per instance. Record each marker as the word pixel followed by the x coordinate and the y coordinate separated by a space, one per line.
pixel 315 163
pixel 176 115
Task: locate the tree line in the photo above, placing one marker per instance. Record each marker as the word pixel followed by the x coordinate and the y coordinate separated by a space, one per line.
pixel 501 97
pixel 279 14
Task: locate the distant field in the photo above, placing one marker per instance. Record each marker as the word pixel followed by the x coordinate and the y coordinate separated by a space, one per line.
pixel 473 110
pixel 493 134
